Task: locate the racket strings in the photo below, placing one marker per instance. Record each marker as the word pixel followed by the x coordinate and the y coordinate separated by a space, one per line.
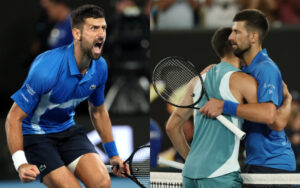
pixel 140 166
pixel 172 79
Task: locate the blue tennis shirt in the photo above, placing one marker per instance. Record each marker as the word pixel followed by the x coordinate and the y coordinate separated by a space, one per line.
pixel 264 146
pixel 54 87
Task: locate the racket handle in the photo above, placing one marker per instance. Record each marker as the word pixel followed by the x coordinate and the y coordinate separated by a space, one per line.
pixel 235 130
pixel 109 168
pixel 169 163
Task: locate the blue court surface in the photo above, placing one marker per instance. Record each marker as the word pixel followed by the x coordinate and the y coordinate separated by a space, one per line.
pixel 115 183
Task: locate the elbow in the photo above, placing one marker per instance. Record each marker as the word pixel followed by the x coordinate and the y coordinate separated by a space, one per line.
pixel 270 116
pixel 169 128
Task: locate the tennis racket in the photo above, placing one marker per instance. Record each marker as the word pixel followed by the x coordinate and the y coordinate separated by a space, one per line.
pixel 175 79
pixel 139 165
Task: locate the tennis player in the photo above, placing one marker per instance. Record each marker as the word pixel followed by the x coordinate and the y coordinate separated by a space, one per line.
pixel 52 146
pixel 212 158
pixel 268 149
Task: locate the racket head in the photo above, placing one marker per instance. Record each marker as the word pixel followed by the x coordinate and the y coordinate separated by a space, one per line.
pixel 174 79
pixel 139 165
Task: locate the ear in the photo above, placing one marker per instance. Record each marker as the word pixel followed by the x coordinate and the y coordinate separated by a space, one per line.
pixel 254 36
pixel 76 34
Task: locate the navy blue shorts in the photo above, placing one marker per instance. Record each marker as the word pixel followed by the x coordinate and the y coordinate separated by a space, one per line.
pixel 51 151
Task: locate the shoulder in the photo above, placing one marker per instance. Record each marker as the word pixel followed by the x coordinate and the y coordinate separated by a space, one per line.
pixel 46 66
pixel 268 65
pixel 240 79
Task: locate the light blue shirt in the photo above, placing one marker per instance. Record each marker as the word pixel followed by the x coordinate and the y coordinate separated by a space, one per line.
pixel 54 87
pixel 264 146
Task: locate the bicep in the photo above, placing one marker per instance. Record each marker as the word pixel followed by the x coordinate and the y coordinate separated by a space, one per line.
pixel 247 86
pixel 16 113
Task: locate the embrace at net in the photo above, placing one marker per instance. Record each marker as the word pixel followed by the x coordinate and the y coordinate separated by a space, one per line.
pixel 243 97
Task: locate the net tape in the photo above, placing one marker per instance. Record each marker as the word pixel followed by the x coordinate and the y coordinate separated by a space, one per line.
pixel 171 179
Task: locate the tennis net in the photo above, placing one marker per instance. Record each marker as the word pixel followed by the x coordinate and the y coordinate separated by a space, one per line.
pixel 174 180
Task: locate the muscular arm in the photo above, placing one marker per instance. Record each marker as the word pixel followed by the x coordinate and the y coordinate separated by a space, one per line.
pixel 265 112
pixel 13 128
pixel 174 130
pixel 177 120
pixel 101 122
pixel 246 86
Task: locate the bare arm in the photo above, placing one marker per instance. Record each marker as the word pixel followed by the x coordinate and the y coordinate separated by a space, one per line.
pixel 177 120
pixel 174 130
pixel 13 128
pixel 283 113
pixel 102 124
pixel 257 112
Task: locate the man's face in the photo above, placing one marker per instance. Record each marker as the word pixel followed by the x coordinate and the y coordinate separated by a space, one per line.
pixel 93 36
pixel 239 38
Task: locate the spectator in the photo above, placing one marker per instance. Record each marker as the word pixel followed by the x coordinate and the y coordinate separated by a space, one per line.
pixel 58 12
pixel 219 13
pixel 289 11
pixel 176 14
pixel 269 7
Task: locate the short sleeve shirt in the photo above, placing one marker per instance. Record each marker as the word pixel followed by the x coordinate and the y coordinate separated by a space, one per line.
pixel 264 146
pixel 54 87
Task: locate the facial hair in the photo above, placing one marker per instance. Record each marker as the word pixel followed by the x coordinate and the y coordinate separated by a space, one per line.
pixel 88 50
pixel 240 52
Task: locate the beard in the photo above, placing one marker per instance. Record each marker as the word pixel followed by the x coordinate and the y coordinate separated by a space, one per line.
pixel 238 52
pixel 88 50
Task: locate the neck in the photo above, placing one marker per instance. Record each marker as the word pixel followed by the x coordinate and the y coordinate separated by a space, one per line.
pixel 82 60
pixel 233 60
pixel 251 53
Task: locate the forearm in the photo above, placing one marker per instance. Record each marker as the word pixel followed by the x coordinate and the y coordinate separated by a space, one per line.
pixel 283 114
pixel 102 123
pixel 14 135
pixel 257 112
pixel 174 130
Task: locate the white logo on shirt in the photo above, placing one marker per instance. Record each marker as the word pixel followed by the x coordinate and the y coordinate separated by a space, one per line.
pixel 92 87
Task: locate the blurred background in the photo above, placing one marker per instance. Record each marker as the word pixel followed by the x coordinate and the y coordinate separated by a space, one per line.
pixel 31 27
pixel 185 27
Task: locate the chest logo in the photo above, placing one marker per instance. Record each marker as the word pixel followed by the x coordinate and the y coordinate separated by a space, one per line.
pixel 92 87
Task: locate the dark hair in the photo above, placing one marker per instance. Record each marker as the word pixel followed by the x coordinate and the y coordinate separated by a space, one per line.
pixel 79 15
pixel 220 42
pixel 255 19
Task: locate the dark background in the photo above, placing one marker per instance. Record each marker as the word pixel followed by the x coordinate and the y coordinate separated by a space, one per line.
pixel 18 22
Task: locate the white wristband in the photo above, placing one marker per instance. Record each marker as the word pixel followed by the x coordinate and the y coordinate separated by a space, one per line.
pixel 19 158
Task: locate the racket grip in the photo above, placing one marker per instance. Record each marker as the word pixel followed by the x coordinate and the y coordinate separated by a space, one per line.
pixel 109 168
pixel 169 163
pixel 234 129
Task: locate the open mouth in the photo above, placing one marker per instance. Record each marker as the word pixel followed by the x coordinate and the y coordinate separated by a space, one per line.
pixel 97 47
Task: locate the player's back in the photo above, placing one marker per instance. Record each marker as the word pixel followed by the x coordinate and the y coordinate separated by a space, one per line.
pixel 214 149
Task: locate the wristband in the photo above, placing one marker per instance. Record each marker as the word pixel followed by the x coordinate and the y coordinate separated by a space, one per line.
pixel 110 149
pixel 19 158
pixel 230 108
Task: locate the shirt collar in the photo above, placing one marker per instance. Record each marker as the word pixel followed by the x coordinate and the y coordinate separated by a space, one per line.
pixel 73 65
pixel 263 54
pixel 72 61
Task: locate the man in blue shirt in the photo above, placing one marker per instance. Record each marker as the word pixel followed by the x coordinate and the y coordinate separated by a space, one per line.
pixel 43 111
pixel 268 149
